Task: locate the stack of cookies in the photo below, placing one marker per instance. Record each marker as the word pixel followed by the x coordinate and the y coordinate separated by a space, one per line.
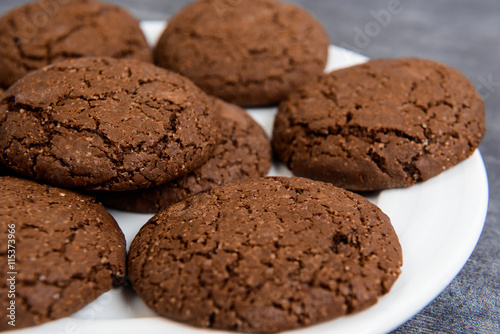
pixel 91 115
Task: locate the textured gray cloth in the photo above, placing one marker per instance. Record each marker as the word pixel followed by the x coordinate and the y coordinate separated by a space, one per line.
pixel 461 33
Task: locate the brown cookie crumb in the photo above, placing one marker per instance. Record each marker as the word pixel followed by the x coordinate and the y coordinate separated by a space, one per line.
pixel 67 251
pixel 265 255
pixel 383 124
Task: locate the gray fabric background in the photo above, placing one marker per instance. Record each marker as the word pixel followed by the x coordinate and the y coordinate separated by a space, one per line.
pixel 464 34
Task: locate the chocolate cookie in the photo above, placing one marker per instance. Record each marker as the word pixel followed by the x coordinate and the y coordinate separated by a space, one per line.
pixel 383 124
pixel 251 53
pixel 103 123
pixel 61 250
pixel 265 255
pixel 43 32
pixel 244 152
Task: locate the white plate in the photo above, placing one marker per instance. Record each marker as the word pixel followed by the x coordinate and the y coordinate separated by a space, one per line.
pixel 438 223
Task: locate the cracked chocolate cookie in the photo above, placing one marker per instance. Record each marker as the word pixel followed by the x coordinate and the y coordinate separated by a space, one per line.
pixel 105 124
pixel 265 255
pixel 251 53
pixel 61 251
pixel 43 32
pixel 384 124
pixel 243 152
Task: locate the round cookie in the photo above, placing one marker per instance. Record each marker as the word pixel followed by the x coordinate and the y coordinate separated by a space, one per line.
pixel 243 152
pixel 61 250
pixel 265 255
pixel 105 124
pixel 251 53
pixel 383 124
pixel 43 32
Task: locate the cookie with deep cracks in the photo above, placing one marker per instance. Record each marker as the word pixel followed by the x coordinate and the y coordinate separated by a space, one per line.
pixel 61 251
pixel 43 32
pixel 383 124
pixel 105 124
pixel 265 255
pixel 243 152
